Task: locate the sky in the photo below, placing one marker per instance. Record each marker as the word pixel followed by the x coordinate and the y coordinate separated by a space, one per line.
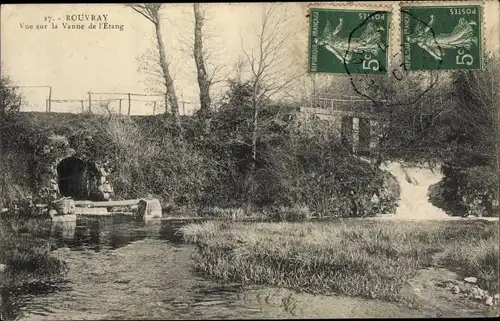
pixel 74 62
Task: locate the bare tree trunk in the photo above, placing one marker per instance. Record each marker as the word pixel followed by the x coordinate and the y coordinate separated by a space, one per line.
pixel 169 83
pixel 203 81
pixel 266 80
pixel 253 159
pixel 254 135
pixel 496 100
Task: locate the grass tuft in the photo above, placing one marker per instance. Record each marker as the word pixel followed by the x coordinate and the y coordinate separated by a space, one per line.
pixel 26 253
pixel 364 258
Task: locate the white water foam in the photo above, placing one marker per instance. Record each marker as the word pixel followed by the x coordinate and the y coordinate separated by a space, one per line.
pixel 414 182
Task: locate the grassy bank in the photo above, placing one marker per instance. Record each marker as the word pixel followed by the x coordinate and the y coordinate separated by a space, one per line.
pixel 25 252
pixel 362 258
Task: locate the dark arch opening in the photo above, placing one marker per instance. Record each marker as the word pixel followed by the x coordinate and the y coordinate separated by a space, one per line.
pixel 77 179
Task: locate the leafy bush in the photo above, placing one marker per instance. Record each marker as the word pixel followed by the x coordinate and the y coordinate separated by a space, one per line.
pixel 154 164
pixel 468 191
pixel 28 258
pixel 295 213
pixel 389 194
pixel 10 98
pixel 317 171
pixel 221 212
pixel 20 141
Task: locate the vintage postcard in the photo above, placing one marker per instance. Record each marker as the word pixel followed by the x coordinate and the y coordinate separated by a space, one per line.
pixel 249 160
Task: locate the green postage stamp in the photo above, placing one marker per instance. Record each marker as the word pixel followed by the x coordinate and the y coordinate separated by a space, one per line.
pixel 441 37
pixel 348 41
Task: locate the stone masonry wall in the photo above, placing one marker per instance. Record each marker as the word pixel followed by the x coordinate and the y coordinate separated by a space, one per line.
pixel 51 154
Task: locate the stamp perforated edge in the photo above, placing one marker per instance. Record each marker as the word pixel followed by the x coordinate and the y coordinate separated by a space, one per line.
pixel 481 3
pixel 354 6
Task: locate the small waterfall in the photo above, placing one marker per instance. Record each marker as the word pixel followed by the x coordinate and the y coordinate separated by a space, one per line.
pixel 414 182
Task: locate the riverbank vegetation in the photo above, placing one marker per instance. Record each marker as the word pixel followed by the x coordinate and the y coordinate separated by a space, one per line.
pixel 299 161
pixel 371 259
pixel 253 147
pixel 308 169
pixel 25 253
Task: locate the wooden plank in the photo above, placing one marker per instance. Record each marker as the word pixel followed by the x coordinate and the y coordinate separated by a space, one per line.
pixel 107 203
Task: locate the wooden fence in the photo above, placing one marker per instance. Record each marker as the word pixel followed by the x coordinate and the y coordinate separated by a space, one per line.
pixel 124 103
pixel 98 102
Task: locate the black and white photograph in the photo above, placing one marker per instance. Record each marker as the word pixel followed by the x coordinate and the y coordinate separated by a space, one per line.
pixel 234 160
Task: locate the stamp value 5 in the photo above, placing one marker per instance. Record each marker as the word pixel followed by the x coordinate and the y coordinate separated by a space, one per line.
pixel 348 41
pixel 441 37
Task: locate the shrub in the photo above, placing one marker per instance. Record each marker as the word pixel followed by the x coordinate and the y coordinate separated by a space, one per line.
pixel 222 212
pixel 10 98
pixel 478 190
pixel 320 173
pixel 147 161
pixel 467 191
pixel 389 194
pixel 295 213
pixel 28 258
pixel 19 142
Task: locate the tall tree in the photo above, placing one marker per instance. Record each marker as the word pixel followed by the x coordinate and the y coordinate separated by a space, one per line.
pixel 10 98
pixel 201 70
pixel 269 64
pixel 10 104
pixel 151 11
pixel 475 123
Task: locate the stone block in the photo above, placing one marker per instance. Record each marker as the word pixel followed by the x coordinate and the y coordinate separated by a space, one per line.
pixel 64 206
pixel 91 211
pixel 149 208
pixel 64 220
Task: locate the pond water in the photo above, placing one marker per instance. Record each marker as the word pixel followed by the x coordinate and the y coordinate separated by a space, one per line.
pixel 122 269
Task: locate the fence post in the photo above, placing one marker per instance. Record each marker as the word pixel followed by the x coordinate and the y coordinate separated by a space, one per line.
pixel 183 108
pixel 50 99
pixel 129 104
pixel 46 105
pixel 120 107
pixel 154 107
pixel 83 108
pixel 90 102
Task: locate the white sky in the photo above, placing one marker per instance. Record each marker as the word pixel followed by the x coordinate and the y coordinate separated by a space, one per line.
pixel 74 62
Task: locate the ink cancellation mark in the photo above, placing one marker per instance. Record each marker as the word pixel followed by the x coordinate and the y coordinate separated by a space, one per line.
pixel 442 37
pixel 348 41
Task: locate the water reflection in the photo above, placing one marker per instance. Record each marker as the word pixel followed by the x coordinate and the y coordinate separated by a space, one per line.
pixel 104 233
pixel 169 230
pixel 14 300
pixel 169 281
pixel 79 233
pixel 63 231
pixel 111 232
